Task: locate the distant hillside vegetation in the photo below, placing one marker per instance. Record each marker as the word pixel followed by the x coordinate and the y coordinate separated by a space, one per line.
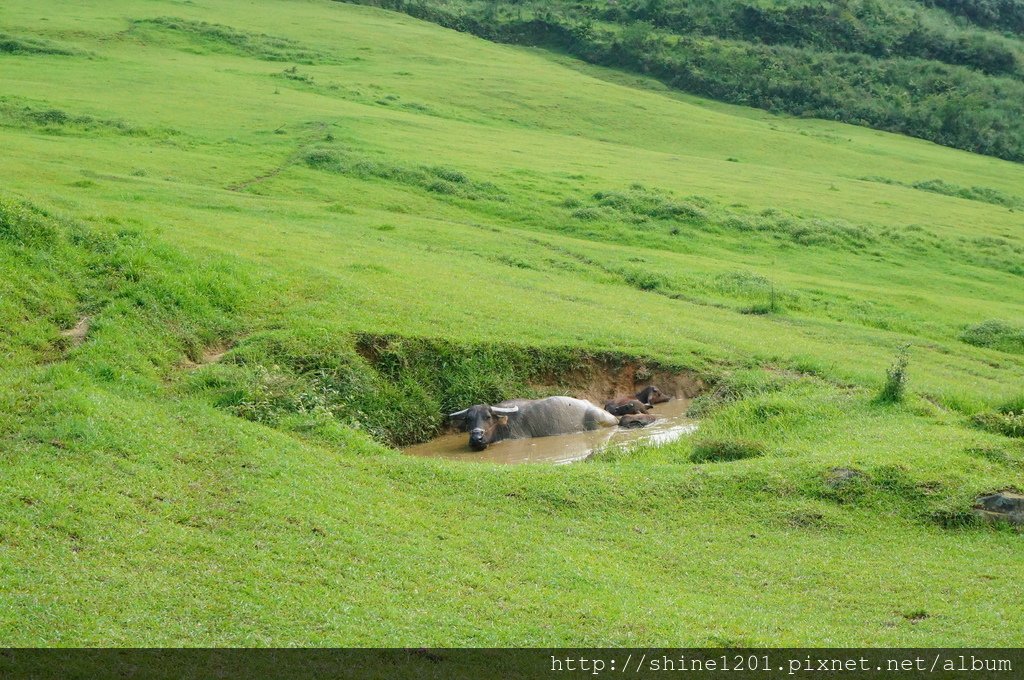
pixel 950 71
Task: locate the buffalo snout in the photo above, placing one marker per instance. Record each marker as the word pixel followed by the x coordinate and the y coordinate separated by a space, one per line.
pixel 477 439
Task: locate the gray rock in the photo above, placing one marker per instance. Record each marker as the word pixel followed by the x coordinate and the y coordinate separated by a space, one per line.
pixel 1002 505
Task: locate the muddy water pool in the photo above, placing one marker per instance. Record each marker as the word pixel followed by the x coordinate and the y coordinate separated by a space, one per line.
pixel 672 424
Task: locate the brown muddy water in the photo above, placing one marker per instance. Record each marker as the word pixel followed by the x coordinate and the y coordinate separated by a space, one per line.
pixel 672 424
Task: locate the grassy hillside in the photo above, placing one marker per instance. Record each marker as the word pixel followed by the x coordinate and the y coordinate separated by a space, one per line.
pixel 950 72
pixel 244 252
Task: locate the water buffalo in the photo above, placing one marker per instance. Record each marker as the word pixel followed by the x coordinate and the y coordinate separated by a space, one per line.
pixel 625 407
pixel 652 395
pixel 644 399
pixel 635 420
pixel 521 418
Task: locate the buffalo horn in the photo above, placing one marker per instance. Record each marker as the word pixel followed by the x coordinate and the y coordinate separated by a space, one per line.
pixel 504 409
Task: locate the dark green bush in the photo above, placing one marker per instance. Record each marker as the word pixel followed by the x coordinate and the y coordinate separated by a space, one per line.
pixel 644 279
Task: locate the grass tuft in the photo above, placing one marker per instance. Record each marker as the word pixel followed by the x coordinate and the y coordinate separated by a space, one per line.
pixel 725 450
pixel 995 334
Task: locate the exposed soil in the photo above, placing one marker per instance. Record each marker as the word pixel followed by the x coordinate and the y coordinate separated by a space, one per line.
pixel 78 332
pixel 210 355
pixel 603 379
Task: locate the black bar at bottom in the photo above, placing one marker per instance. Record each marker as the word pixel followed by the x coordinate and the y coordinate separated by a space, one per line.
pixel 565 663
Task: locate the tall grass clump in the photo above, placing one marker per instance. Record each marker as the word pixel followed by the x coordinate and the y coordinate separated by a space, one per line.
pixel 1007 419
pixel 995 334
pixel 435 179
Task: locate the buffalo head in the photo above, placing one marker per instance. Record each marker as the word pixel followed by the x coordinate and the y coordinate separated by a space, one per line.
pixel 652 395
pixel 482 423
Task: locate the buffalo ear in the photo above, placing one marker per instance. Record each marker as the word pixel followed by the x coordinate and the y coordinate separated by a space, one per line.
pixel 502 420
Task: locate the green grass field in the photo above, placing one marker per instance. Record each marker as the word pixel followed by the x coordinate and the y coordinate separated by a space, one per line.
pixel 208 213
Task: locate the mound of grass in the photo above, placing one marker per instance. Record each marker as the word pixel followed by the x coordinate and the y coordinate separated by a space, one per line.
pixel 15 113
pixel 975 193
pixel 17 44
pixel 995 334
pixel 725 450
pixel 737 386
pixel 1009 423
pixel 985 194
pixel 225 38
pixel 640 205
pixel 435 179
pixel 58 271
pixel 994 454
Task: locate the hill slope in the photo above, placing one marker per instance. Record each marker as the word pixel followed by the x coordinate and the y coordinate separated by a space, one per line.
pixel 903 66
pixel 211 215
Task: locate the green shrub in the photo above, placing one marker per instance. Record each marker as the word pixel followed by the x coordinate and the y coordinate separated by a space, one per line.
pixel 449 175
pixel 644 279
pixel 586 214
pixel 323 159
pixel 724 450
pixel 1013 405
pixel 896 379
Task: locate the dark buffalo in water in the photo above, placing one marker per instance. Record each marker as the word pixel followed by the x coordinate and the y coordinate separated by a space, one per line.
pixel 652 395
pixel 644 399
pixel 636 420
pixel 522 418
pixel 625 407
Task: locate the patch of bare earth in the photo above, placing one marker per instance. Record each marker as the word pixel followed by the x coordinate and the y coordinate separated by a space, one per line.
pixel 77 332
pixel 600 380
pixel 210 355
